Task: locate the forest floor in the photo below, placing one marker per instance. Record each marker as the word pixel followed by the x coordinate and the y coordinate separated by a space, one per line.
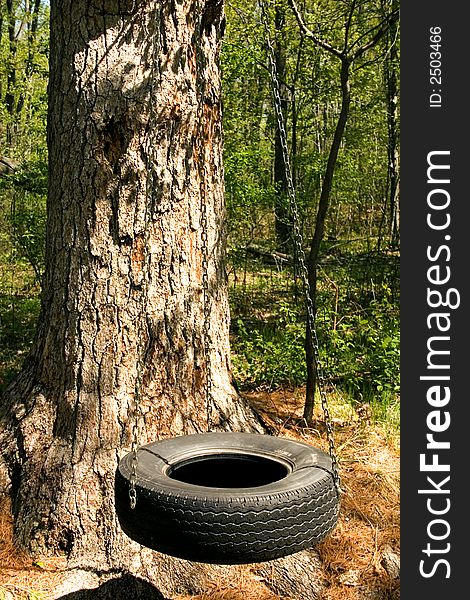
pixel 360 558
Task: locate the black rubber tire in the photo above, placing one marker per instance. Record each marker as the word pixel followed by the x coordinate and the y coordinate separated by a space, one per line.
pixel 226 524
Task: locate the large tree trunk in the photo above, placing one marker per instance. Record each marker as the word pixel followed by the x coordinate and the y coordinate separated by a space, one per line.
pixel 132 85
pixel 391 67
pixel 134 138
pixel 322 212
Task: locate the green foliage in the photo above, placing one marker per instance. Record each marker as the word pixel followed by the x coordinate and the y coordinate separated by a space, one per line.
pixel 18 315
pixel 364 349
pixel 23 109
pixel 23 79
pixel 360 185
pixel 31 177
pixel 28 230
pixel 357 326
pixel 23 205
pixel 248 150
pixel 270 354
pixel 386 411
pixel 24 44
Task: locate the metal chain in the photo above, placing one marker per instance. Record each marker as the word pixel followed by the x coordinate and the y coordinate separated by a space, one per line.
pixel 149 161
pixel 298 242
pixel 206 304
pixel 137 408
pixel 135 440
pixel 205 286
pixel 205 253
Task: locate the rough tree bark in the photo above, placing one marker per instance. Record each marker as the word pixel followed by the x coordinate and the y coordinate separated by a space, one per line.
pixel 323 206
pixel 134 136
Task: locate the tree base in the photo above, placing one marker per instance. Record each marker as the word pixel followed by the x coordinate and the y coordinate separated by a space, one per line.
pixel 161 577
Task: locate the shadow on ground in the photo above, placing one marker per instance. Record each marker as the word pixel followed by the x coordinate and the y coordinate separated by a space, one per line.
pixel 126 587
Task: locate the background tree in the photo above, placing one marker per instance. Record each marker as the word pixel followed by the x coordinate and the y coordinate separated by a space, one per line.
pixel 248 153
pixel 22 26
pixel 358 273
pixel 352 49
pixel 391 75
pixel 24 33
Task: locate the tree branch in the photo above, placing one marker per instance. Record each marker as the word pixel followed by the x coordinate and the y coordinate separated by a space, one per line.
pixel 307 32
pixel 348 27
pixel 381 28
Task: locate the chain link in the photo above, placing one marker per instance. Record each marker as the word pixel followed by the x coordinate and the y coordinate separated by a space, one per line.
pixel 149 161
pixel 298 242
pixel 135 438
pixel 206 306
pixel 205 253
pixel 146 275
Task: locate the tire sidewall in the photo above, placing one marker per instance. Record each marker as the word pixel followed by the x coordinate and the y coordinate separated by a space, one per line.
pixel 306 465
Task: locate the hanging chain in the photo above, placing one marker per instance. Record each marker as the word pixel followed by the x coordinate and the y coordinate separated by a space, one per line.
pixel 137 407
pixel 206 304
pixel 205 253
pixel 135 440
pixel 298 243
pixel 206 332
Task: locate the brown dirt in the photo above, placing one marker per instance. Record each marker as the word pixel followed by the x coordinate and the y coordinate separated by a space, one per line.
pixel 360 558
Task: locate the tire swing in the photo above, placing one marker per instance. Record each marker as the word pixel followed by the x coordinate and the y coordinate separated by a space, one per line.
pixel 224 497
